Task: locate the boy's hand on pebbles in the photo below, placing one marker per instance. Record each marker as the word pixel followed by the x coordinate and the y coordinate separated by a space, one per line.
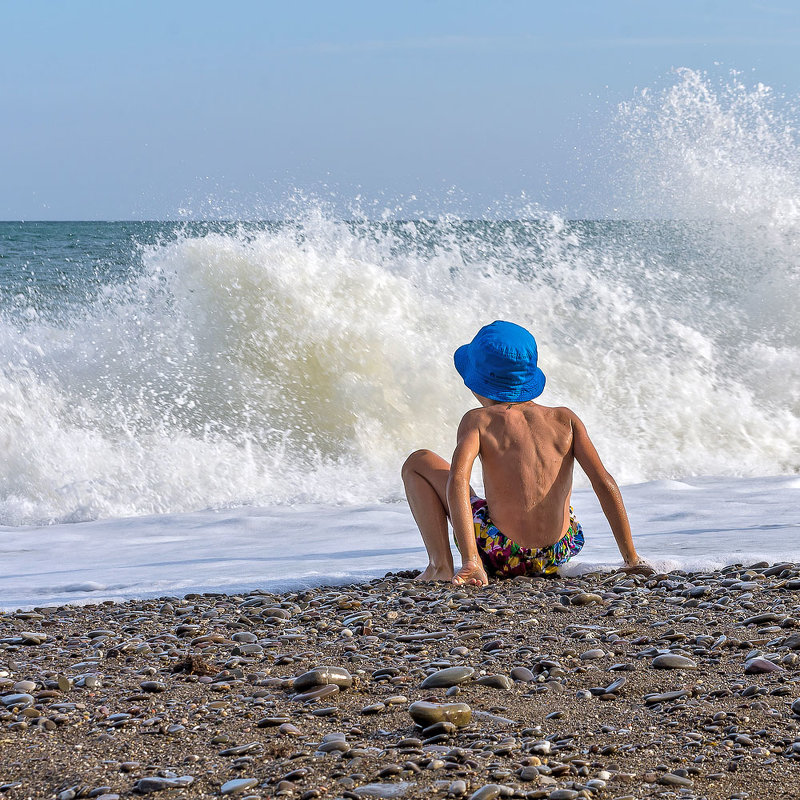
pixel 471 574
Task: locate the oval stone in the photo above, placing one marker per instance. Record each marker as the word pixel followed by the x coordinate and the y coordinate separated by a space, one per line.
pixel 153 686
pixel 488 792
pixel 20 700
pixel 523 674
pixel 426 714
pixel 316 694
pixel 673 661
pixel 445 678
pixel 238 785
pixel 758 665
pixel 586 599
pixel 496 682
pixel 323 676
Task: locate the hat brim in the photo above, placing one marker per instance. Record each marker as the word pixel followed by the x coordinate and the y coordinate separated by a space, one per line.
pixel 478 384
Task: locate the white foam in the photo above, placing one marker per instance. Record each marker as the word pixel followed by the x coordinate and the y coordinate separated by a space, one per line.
pixel 723 521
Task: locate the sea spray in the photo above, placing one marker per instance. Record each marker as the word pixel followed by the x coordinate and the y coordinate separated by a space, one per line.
pixel 301 361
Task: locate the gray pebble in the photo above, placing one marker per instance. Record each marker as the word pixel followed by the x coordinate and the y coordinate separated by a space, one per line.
pixel 238 785
pixel 673 661
pixel 323 676
pixel 445 678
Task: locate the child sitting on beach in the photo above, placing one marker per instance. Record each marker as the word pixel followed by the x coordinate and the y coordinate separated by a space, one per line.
pixel 527 452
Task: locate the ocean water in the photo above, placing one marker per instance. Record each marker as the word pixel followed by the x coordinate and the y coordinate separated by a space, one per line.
pixel 226 405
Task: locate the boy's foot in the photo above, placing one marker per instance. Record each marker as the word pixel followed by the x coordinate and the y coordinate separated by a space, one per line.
pixel 432 573
pixel 471 575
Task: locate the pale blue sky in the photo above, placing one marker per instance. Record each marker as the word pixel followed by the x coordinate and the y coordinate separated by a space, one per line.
pixel 119 110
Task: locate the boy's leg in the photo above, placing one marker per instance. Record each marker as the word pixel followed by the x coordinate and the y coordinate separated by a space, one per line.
pixel 425 477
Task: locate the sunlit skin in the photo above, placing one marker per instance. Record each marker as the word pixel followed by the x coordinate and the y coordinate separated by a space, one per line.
pixel 527 452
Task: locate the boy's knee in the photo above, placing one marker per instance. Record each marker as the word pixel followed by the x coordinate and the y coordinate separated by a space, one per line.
pixel 413 461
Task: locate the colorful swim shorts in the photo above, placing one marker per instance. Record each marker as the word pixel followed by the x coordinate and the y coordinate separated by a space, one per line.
pixel 505 558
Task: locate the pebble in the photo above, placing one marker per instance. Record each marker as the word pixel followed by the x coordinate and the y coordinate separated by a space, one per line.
pixel 153 686
pixel 238 785
pixel 387 790
pixel 445 678
pixel 490 791
pixel 426 714
pixel 323 676
pixel 665 697
pixel 586 599
pixel 759 665
pixel 502 682
pixel 18 699
pixel 155 784
pixel 670 779
pixel 673 661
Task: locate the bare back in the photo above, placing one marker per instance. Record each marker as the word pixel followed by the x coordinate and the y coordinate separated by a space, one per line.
pixel 527 455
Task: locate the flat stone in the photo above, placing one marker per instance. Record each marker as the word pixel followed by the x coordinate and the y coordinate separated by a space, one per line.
pixel 153 686
pixel 758 665
pixel 670 779
pixel 445 678
pixel 422 636
pixel 590 655
pixel 32 638
pixel 238 785
pixel 398 789
pixel 316 694
pixel 426 714
pixel 287 729
pixel 665 697
pixel 241 749
pixel 439 729
pixel 522 674
pixel 673 661
pixel 614 687
pixel 154 784
pixel 502 682
pixel 271 722
pixel 490 791
pixel 18 699
pixel 323 676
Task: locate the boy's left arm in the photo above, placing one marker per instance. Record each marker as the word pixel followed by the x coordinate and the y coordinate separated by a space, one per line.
pixel 610 497
pixel 458 501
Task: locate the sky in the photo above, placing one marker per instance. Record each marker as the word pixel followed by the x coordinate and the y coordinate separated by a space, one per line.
pixel 165 110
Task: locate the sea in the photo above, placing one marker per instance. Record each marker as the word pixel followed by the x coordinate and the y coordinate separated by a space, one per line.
pixel 225 405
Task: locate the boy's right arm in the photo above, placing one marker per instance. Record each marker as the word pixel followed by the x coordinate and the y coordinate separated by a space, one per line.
pixel 458 501
pixel 608 493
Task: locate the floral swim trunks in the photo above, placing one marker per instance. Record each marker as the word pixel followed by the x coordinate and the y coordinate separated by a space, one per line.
pixel 505 558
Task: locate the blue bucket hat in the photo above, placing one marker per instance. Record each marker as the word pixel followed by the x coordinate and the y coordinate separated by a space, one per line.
pixel 500 363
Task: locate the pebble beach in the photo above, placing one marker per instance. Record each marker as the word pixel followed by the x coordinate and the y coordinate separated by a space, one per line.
pixel 602 686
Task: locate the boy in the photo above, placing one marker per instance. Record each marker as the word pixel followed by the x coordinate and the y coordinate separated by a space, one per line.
pixel 527 452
